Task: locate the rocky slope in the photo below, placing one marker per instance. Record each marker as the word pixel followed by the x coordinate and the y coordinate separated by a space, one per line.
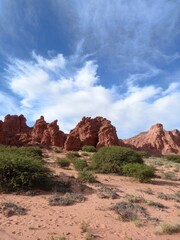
pixel 156 141
pixel 97 132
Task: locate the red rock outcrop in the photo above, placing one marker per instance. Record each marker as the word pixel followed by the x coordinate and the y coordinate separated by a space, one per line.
pixel 13 129
pixel 47 134
pixel 97 132
pixel 156 141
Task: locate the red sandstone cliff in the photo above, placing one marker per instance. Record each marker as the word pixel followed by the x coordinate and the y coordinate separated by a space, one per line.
pixel 97 132
pixel 156 141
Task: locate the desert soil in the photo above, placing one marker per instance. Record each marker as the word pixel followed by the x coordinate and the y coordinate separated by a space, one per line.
pixel 45 222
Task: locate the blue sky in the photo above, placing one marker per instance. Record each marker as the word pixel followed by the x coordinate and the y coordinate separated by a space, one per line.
pixel 66 59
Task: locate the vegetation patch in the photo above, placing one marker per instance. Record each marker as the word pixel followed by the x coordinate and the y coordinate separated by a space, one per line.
pixel 173 158
pixel 87 176
pixel 63 162
pixel 175 196
pixel 156 204
pixel 140 172
pixel 129 211
pixel 135 199
pixel 10 209
pixel 167 228
pixel 22 169
pixel 105 192
pixel 80 164
pixel 66 200
pixel 170 176
pixel 72 155
pixel 88 148
pixel 111 159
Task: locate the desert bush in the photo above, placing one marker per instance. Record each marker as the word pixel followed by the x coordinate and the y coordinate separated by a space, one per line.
pixel 72 155
pixel 21 169
pixel 129 211
pixel 88 148
pixel 111 159
pixel 140 172
pixel 143 154
pixel 63 162
pixel 60 201
pixel 105 192
pixel 135 199
pixel 80 164
pixel 9 209
pixel 175 196
pixel 173 158
pixel 75 197
pixel 87 176
pixel 167 228
pixel 155 204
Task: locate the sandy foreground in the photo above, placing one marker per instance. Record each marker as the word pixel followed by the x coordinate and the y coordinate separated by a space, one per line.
pixel 43 222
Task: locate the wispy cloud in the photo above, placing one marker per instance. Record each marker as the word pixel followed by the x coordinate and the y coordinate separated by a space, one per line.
pixel 43 90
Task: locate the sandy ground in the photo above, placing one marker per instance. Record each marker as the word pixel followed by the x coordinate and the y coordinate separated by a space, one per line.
pixel 43 222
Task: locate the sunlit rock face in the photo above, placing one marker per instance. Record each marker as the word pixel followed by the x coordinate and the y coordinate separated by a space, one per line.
pixel 156 141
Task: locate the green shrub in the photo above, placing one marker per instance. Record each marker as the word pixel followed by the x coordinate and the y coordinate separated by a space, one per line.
pixel 173 158
pixel 72 155
pixel 87 176
pixel 111 159
pixel 88 148
pixel 22 169
pixel 80 164
pixel 63 162
pixel 143 154
pixel 140 172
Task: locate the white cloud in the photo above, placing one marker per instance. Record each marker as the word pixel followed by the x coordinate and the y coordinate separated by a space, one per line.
pixel 8 105
pixel 45 91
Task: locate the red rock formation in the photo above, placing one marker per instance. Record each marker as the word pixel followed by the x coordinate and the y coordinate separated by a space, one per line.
pixel 47 134
pixel 97 132
pixel 12 129
pixel 156 141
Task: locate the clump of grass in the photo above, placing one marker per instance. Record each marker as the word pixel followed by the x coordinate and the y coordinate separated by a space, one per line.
pixel 63 162
pixel 175 196
pixel 10 209
pixel 87 176
pixel 85 229
pixel 170 176
pixel 137 221
pixel 173 158
pixel 79 164
pixel 135 199
pixel 147 191
pixel 156 204
pixel 88 148
pixel 58 238
pixel 129 211
pixel 72 155
pixel 167 228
